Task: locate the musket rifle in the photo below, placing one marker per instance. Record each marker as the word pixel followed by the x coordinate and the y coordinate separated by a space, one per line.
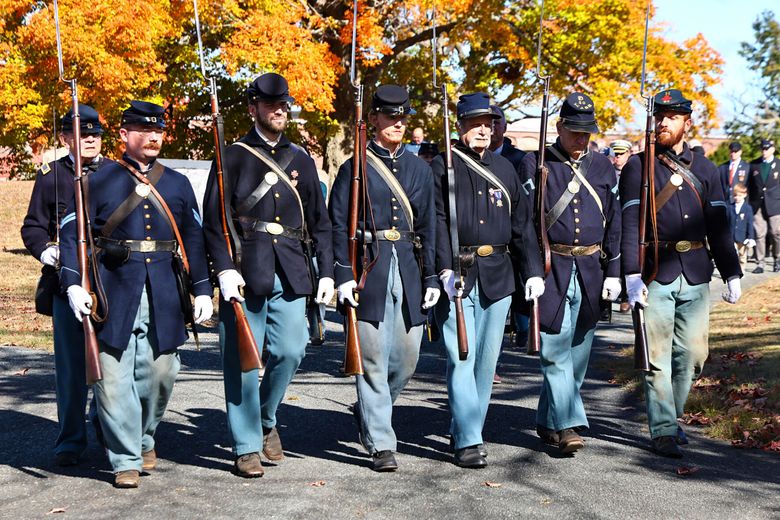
pixel 91 350
pixel 248 352
pixel 457 267
pixel 353 356
pixel 534 328
pixel 646 205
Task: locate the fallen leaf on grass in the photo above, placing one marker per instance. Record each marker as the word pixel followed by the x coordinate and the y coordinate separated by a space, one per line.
pixel 684 471
pixel 56 510
pixel 22 372
pixel 492 484
pixel 318 483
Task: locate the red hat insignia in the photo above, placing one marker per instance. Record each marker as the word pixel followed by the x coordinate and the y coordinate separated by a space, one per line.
pixel 667 97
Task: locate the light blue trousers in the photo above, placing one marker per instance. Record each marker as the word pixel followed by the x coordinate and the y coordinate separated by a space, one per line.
pixel 677 318
pixel 281 318
pixel 70 378
pixel 470 382
pixel 390 354
pixel 564 360
pixel 134 392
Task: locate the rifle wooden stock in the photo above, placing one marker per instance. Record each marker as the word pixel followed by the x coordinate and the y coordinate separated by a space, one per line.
pixel 353 357
pixel 353 354
pixel 248 351
pixel 641 352
pixel 460 325
pixel 534 330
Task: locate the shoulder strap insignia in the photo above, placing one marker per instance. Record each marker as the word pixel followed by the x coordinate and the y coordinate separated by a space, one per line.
pixel 45 168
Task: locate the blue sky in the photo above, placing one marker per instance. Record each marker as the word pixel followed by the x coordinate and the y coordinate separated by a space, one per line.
pixel 725 24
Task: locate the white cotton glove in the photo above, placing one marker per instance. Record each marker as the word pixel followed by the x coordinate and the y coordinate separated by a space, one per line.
pixel 733 291
pixel 430 298
pixel 80 301
pixel 748 242
pixel 230 281
pixel 636 290
pixel 51 255
pixel 611 289
pixel 346 293
pixel 534 288
pixel 447 277
pixel 203 308
pixel 325 291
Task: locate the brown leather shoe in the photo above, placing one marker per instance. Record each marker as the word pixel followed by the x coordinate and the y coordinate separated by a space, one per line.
pixel 149 460
pixel 570 441
pixel 272 445
pixel 127 479
pixel 547 435
pixel 249 466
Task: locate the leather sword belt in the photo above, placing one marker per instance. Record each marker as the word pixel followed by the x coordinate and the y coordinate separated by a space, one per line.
pixel 485 250
pixel 392 235
pixel 567 250
pixel 139 246
pixel 272 228
pixel 681 246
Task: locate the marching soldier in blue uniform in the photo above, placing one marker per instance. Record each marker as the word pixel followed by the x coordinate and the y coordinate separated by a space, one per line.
pixel 137 240
pixel 582 218
pixel 494 224
pixel 692 224
pixel 272 220
pixel 51 195
pixel 402 285
pixel 763 185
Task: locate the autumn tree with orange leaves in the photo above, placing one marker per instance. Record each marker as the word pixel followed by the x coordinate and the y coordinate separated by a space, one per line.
pixel 148 49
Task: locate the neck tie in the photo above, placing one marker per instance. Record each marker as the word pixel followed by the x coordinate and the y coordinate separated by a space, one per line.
pixel 731 172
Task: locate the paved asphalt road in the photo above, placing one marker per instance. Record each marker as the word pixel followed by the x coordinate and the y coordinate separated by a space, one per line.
pixel 326 474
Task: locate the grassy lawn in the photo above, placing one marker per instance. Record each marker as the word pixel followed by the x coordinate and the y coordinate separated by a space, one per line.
pixel 19 324
pixel 738 396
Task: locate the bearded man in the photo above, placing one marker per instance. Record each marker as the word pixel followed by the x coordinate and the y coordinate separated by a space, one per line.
pixel 673 285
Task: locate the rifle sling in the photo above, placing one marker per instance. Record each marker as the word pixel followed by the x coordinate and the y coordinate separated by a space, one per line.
pixel 251 201
pixel 688 176
pixel 579 179
pixel 130 203
pixel 279 171
pixel 393 184
pixel 453 225
pixel 159 204
pixel 486 174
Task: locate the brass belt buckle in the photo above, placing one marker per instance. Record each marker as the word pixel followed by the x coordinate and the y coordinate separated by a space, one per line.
pixel 485 250
pixel 683 246
pixel 578 250
pixel 392 235
pixel 274 228
pixel 146 246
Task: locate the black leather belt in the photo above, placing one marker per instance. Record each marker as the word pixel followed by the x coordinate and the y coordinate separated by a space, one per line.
pixel 681 246
pixel 140 246
pixel 567 250
pixel 392 235
pixel 272 228
pixel 485 250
